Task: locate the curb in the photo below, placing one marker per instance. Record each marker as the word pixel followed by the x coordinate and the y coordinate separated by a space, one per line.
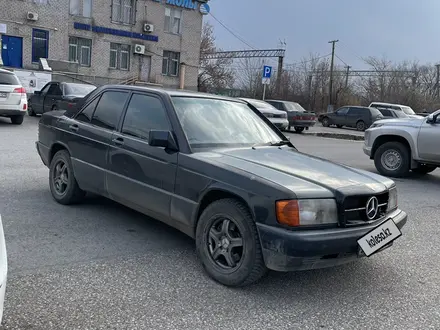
pixel 336 136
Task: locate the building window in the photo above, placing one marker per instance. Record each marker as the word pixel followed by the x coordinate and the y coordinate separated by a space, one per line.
pixel 119 56
pixel 173 18
pixel 123 11
pixel 170 63
pixel 80 51
pixel 41 2
pixel 76 9
pixel 40 44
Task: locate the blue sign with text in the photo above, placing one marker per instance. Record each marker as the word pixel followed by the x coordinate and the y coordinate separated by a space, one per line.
pixel 120 33
pixel 267 71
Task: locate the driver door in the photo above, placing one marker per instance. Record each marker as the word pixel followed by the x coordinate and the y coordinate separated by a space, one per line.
pixel 427 142
pixel 38 99
pixel 340 116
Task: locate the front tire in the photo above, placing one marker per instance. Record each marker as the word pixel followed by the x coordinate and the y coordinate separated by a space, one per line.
pixel 424 169
pixel 228 244
pixel 17 120
pixel 30 111
pixel 62 182
pixel 393 159
pixel 299 129
pixel 325 122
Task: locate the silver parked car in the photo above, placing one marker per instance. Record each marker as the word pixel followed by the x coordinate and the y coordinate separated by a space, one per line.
pixel 277 117
pixel 13 100
pixel 399 146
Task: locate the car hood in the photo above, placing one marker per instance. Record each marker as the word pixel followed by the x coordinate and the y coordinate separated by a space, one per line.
pixel 304 175
pixel 409 122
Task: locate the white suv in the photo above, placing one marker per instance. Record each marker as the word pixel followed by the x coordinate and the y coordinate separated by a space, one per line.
pixel 13 100
pixel 405 109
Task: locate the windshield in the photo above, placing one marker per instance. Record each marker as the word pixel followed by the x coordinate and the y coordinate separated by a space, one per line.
pixel 293 106
pixel 408 111
pixel 220 123
pixel 78 89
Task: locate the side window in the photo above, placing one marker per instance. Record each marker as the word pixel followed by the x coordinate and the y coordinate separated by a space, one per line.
pixel 342 111
pixel 86 114
pixel 356 111
pixel 386 113
pixel 55 90
pixel 45 88
pixel 109 109
pixel 277 105
pixel 144 113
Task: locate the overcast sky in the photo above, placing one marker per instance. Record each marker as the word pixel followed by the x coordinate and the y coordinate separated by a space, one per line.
pixel 398 29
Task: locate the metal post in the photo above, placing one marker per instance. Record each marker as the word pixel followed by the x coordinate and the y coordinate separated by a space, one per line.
pixel 279 74
pixel 182 75
pixel 264 91
pixel 333 42
pixel 346 76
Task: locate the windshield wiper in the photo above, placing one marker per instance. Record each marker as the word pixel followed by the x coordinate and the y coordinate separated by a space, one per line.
pixel 280 143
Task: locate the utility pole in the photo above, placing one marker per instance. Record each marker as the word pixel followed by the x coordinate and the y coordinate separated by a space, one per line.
pixel 309 85
pixel 333 42
pixel 346 76
pixel 437 86
pixel 279 75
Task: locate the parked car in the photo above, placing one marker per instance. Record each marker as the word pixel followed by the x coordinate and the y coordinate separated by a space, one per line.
pixel 298 117
pixel 391 113
pixel 13 101
pixel 3 268
pixel 352 116
pixel 277 117
pixel 57 95
pixel 399 146
pixel 407 110
pixel 217 170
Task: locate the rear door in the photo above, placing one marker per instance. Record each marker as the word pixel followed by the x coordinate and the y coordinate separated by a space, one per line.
pixel 90 136
pixel 51 98
pixel 142 176
pixel 353 115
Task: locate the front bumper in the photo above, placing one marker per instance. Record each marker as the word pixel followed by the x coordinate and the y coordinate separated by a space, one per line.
pixel 287 250
pixel 302 123
pixel 367 150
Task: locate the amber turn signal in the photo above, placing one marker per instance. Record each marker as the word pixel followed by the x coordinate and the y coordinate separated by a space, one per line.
pixel 288 212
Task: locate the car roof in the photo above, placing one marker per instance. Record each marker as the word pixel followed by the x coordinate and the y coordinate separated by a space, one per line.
pixel 6 71
pixel 384 103
pixel 172 92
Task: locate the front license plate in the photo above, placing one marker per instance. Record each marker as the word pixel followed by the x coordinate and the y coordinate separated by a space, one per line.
pixel 379 237
pixel 2 94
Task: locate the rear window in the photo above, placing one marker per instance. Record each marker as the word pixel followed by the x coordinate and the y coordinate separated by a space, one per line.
pixel 293 106
pixel 261 104
pixel 9 79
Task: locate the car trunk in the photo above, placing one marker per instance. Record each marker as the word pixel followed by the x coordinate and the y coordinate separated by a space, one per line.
pixel 297 115
pixel 11 94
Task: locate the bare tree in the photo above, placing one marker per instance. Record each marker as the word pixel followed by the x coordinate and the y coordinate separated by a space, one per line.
pixel 214 74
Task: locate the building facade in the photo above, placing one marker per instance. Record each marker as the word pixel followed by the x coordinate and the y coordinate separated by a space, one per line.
pixel 144 40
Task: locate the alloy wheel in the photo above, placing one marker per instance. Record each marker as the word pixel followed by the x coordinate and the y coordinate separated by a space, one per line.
pixel 225 243
pixel 61 177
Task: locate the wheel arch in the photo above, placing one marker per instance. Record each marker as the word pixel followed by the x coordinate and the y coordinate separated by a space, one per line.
pixel 57 146
pixel 380 140
pixel 216 193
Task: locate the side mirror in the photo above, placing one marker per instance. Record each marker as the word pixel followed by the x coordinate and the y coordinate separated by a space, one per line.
pixel 431 119
pixel 164 139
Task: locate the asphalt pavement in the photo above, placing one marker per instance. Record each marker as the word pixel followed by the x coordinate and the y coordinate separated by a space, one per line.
pixel 102 266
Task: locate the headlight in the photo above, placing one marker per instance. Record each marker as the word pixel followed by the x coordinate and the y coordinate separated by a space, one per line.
pixel 375 125
pixel 285 115
pixel 392 200
pixel 307 212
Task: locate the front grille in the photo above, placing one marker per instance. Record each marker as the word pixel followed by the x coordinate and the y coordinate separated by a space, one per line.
pixel 354 208
pixel 279 116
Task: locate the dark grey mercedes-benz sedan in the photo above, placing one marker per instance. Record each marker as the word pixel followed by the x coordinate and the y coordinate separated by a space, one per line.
pixel 219 171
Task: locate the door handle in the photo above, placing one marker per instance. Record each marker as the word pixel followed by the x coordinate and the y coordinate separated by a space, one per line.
pixel 74 127
pixel 118 141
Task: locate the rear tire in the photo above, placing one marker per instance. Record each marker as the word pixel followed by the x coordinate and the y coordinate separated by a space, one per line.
pixel 325 122
pixel 424 169
pixel 299 129
pixel 62 182
pixel 17 120
pixel 393 159
pixel 216 238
